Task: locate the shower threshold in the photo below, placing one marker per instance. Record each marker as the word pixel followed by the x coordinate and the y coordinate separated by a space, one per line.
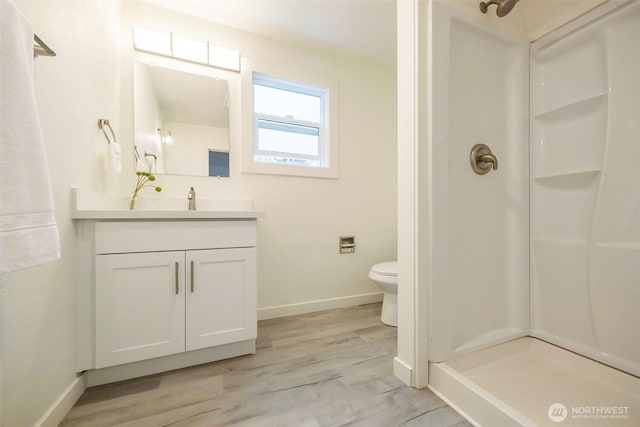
pixel 528 382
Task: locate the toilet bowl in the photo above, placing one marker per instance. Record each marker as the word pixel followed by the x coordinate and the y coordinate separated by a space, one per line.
pixel 385 275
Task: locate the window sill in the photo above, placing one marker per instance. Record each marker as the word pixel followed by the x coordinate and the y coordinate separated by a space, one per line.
pixel 251 167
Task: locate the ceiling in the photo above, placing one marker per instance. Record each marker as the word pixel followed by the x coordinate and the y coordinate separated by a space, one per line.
pixel 365 29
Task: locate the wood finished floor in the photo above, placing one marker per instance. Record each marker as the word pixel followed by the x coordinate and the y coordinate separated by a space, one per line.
pixel 331 368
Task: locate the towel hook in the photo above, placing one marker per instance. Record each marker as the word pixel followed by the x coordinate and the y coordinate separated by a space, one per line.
pixel 40 48
pixel 101 124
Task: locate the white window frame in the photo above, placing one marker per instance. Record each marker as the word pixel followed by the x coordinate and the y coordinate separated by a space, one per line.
pixel 327 137
pixel 322 145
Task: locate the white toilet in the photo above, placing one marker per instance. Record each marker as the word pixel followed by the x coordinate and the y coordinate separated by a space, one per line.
pixel 385 274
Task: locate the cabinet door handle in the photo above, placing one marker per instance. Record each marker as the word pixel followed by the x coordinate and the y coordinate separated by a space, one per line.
pixel 192 277
pixel 177 280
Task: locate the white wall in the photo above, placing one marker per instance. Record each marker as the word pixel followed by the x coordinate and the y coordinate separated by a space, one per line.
pixel 408 116
pixel 543 16
pixel 298 260
pixel 74 90
pixel 529 19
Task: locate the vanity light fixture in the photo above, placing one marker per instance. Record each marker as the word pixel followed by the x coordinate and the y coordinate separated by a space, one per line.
pixel 152 41
pixel 165 136
pixel 200 52
pixel 190 50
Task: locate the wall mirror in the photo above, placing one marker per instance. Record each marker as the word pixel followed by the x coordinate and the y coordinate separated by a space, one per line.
pixel 181 122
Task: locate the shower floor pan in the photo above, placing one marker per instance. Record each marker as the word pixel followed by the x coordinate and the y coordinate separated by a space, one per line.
pixel 528 382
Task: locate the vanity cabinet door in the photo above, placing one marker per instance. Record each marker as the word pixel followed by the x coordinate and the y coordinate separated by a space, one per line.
pixel 221 297
pixel 140 306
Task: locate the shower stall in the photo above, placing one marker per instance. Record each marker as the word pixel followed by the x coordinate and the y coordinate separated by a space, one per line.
pixel 533 276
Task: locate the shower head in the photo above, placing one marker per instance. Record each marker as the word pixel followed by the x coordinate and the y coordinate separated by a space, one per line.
pixel 504 6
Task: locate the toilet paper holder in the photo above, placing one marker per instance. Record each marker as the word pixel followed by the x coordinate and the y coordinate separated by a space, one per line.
pixel 347 244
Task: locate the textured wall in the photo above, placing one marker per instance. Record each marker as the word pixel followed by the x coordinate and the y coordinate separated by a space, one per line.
pixel 74 90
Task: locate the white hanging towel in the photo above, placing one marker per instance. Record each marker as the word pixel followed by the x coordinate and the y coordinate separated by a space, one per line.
pixel 113 160
pixel 28 230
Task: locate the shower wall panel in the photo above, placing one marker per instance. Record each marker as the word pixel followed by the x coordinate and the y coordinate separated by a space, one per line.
pixel 478 271
pixel 585 189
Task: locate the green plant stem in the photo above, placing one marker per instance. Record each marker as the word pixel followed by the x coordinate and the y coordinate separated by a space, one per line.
pixel 143 181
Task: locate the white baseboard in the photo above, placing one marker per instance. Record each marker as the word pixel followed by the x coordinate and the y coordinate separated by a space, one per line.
pixel 63 404
pixel 402 371
pixel 318 305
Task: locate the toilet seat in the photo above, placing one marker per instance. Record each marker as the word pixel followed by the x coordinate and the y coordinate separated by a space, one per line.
pixel 385 273
pixel 386 268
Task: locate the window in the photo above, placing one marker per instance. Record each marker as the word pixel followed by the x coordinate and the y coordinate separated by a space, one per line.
pixel 219 163
pixel 291 133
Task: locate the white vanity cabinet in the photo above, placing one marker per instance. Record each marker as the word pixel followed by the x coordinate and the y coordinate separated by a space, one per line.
pixel 154 304
pixel 155 295
pixel 138 314
pixel 220 297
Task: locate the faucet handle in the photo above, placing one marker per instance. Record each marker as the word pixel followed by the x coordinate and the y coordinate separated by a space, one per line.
pixel 192 199
pixel 482 159
pixel 489 158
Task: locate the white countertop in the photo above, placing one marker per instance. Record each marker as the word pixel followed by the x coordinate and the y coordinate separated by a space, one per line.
pixel 88 204
pixel 166 214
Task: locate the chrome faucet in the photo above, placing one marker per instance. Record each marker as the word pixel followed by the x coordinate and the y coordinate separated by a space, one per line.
pixel 192 199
